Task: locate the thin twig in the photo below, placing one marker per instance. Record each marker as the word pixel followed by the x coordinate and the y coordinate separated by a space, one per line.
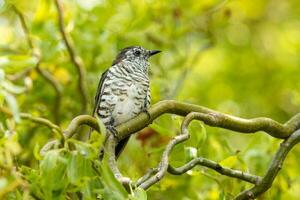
pixel 43 121
pixel 73 56
pixel 164 163
pixel 44 73
pixel 58 90
pixel 19 75
pixel 24 26
pixel 48 146
pixel 38 120
pixel 148 175
pixel 215 166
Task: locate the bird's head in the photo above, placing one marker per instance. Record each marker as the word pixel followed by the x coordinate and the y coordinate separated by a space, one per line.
pixel 135 54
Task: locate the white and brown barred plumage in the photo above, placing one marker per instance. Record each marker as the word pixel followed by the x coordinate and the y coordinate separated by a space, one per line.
pixel 123 91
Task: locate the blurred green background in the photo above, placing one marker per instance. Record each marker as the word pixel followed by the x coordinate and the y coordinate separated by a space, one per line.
pixel 238 57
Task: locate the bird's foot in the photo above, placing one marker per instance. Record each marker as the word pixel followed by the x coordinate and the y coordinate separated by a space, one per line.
pixel 113 131
pixel 147 113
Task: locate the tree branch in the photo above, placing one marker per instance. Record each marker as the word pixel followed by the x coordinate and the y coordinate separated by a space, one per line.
pixel 209 117
pixel 273 169
pixel 78 121
pixel 44 73
pixel 164 163
pixel 19 75
pixel 212 118
pixel 75 59
pixel 215 166
pixel 39 120
pixel 110 152
pixel 24 27
pixel 148 175
pixel 57 88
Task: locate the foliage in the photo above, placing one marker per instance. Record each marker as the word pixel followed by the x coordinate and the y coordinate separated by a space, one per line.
pixel 239 57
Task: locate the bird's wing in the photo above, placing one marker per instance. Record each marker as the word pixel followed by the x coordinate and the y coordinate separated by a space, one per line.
pixel 99 92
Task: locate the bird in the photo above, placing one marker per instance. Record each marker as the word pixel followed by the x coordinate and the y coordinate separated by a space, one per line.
pixel 123 90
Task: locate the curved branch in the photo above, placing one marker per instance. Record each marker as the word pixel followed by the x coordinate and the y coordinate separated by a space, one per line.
pixel 209 117
pixel 73 56
pixel 41 120
pixel 112 162
pixel 217 167
pixel 38 120
pixel 213 118
pixel 148 180
pixel 273 169
pixel 148 175
pixel 45 74
pixel 164 163
pixel 58 90
pixel 78 121
pixel 288 131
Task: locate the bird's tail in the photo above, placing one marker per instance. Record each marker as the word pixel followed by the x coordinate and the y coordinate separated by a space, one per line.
pixel 120 146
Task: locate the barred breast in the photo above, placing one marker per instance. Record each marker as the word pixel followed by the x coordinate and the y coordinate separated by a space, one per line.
pixel 125 94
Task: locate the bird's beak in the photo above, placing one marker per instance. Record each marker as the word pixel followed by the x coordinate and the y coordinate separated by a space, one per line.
pixel 153 52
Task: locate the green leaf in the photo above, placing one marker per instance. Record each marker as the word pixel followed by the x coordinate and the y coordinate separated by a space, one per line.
pixel 36 151
pixel 53 174
pixel 2 75
pixel 8 86
pixel 198 134
pixel 12 104
pixel 102 126
pixel 139 194
pixel 113 188
pixel 96 139
pixel 229 161
pixel 79 168
pixel 84 148
pixel 15 63
pixel 190 153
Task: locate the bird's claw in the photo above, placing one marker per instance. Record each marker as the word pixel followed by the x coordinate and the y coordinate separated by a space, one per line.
pixel 147 113
pixel 113 131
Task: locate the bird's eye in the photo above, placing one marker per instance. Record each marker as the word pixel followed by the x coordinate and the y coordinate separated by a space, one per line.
pixel 137 52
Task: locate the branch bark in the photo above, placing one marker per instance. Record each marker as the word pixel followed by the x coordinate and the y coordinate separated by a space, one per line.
pixel 75 59
pixel 217 167
pixel 112 162
pixel 164 163
pixel 209 117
